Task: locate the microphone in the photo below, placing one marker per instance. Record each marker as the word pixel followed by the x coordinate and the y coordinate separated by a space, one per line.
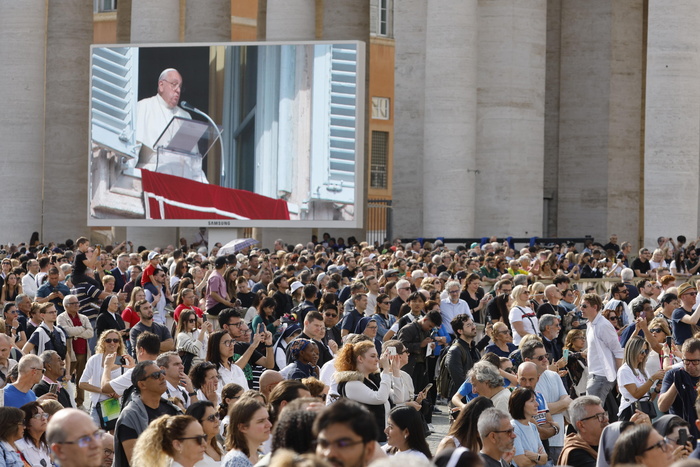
pixel 186 105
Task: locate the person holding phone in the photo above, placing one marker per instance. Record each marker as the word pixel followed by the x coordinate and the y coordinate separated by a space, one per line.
pixel 266 317
pixel 633 382
pixel 110 342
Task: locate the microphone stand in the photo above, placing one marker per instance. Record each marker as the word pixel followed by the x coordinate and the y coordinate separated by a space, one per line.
pixel 191 108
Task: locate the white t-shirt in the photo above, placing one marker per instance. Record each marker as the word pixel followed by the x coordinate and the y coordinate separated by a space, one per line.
pixel 626 376
pixel 526 316
pixel 93 375
pixel 552 388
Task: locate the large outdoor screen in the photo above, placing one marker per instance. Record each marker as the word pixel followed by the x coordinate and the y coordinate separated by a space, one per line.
pixel 236 135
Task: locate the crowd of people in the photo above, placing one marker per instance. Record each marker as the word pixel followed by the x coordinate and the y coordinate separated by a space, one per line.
pixel 334 354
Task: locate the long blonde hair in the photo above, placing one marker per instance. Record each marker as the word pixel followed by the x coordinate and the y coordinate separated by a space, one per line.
pixel 154 447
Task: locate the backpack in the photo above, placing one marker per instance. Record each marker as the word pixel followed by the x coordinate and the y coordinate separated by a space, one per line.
pixel 444 380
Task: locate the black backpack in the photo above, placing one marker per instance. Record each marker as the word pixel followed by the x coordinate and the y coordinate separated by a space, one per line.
pixel 444 380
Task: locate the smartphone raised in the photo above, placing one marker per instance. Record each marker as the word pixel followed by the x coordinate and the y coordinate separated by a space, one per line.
pixel 566 354
pixel 53 388
pixel 682 437
pixel 669 341
pixel 120 360
pixel 261 328
pixel 392 351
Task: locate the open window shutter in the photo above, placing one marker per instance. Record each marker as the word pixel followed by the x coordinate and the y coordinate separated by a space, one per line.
pixel 113 106
pixel 334 149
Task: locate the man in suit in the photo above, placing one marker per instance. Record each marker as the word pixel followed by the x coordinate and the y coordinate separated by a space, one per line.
pixel 121 272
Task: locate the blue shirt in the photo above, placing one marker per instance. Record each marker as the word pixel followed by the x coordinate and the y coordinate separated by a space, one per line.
pixel 16 398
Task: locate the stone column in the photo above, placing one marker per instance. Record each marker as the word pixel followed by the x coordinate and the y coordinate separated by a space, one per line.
pixel 155 21
pixel 672 122
pixel 599 118
pixel 409 116
pixel 66 120
pixel 23 52
pixel 450 119
pixel 288 20
pixel 208 21
pixel 510 115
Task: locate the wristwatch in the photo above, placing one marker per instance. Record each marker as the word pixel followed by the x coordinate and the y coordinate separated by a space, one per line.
pixel 538 457
pixel 192 394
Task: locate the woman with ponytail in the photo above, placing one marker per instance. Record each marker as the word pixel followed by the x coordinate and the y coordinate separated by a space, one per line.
pixel 172 441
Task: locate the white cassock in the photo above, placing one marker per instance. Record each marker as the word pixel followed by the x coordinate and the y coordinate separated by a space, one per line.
pixel 152 116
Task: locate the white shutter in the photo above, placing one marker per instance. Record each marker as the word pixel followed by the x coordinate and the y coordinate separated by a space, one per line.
pixel 334 139
pixel 113 105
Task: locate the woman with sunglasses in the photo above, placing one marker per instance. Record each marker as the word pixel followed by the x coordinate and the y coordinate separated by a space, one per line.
pixel 632 380
pixel 502 341
pixel 382 316
pixel 206 415
pixel 523 319
pixel 660 356
pixel 190 341
pixel 173 441
pixel 11 431
pixel 577 364
pixel 642 445
pixel 33 446
pixel 109 342
pixel 613 312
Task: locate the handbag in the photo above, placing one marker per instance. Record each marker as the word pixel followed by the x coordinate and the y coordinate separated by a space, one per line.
pixel 108 412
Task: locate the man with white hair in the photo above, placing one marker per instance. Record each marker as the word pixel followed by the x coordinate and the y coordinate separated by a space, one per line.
pixel 30 371
pixel 453 306
pixel 588 418
pixel 403 288
pixel 497 436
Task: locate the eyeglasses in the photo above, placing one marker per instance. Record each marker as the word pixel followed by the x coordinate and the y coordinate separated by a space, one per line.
pixel 109 452
pixel 39 416
pixel 453 291
pixel 341 443
pixel 688 361
pixel 586 305
pixel 612 318
pixel 43 370
pixel 644 351
pixel 72 303
pixel 111 341
pixel 211 418
pixel 663 445
pixel 239 324
pixel 656 330
pixel 503 332
pixel 404 288
pixel 387 302
pixel 228 343
pixel 602 416
pixel 510 431
pixel 542 357
pixel 692 294
pixel 84 441
pixel 192 320
pixel 330 315
pixel 371 327
pixel 155 375
pixel 201 439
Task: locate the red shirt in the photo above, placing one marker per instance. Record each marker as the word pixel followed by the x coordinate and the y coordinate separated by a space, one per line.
pixel 130 316
pixel 79 344
pixel 181 308
pixel 149 271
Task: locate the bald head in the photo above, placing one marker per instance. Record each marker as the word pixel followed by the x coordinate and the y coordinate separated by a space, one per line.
pixel 528 375
pixel 65 428
pixel 63 421
pixel 268 380
pixel 552 293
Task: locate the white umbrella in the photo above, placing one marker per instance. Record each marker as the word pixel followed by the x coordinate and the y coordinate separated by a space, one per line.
pixel 234 246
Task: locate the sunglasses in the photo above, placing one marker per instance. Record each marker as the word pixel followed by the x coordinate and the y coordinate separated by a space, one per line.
pixel 112 341
pixel 211 418
pixel 155 375
pixel 201 439
pixel 192 320
pixel 331 315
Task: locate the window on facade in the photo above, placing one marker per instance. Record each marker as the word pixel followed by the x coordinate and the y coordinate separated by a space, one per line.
pixel 383 17
pixel 380 155
pixel 102 6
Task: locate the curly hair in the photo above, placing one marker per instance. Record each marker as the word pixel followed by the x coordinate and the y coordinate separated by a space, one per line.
pixel 198 373
pixel 100 347
pixel 154 447
pixel 347 357
pixel 571 336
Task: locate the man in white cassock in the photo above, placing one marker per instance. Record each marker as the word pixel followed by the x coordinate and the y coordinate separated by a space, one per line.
pixel 152 117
